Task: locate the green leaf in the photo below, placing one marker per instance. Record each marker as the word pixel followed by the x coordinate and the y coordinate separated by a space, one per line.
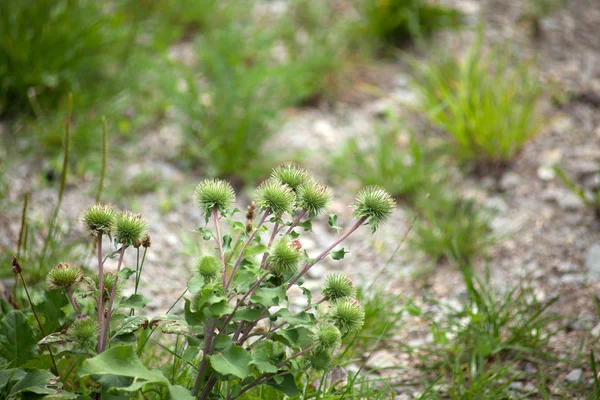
pixel 269 297
pixel 17 341
pixel 227 239
pixel 298 337
pixel 261 359
pixel 206 233
pixel 238 226
pixel 332 220
pixel 294 319
pixel 196 284
pixel 123 361
pixel 131 324
pixel 306 225
pixel 339 254
pixel 233 361
pixel 9 375
pixel 218 309
pixel 247 315
pixel 287 385
pixel 54 338
pixel 37 381
pixel 125 274
pixel 51 308
pixel 251 251
pixel 136 301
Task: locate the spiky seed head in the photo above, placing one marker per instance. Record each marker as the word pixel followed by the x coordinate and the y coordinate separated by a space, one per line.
pixel 291 174
pixel 348 315
pixel 338 285
pixel 129 228
pixel 313 197
pixel 211 193
pixel 328 336
pixel 375 204
pixel 320 359
pixel 83 330
pixel 109 281
pixel 273 195
pixel 284 256
pixel 98 218
pixel 208 267
pixel 63 276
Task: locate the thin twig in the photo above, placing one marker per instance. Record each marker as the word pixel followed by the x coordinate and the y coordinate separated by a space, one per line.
pixel 112 299
pixel 100 301
pixel 71 299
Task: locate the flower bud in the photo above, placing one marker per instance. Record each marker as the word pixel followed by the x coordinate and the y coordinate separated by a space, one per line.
pixel 284 256
pixel 348 315
pixel 146 241
pixel 337 286
pixel 211 193
pixel 129 228
pixel 375 204
pixel 109 281
pixel 320 359
pixel 98 218
pixel 273 195
pixel 16 267
pixel 83 330
pixel 313 197
pixel 208 267
pixel 63 276
pixel 328 336
pixel 291 174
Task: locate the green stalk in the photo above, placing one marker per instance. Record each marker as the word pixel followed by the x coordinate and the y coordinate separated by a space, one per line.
pixel 104 153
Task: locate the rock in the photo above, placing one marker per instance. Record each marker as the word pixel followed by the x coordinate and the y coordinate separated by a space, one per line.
pixel 566 200
pixel 585 167
pixel 546 173
pixel 382 359
pixel 592 262
pixel 574 376
pixel 596 331
pixel 510 180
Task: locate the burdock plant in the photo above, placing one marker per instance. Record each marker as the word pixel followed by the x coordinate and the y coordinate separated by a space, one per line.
pixel 238 328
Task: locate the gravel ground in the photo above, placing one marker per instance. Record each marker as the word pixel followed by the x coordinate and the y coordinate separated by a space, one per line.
pixel 554 240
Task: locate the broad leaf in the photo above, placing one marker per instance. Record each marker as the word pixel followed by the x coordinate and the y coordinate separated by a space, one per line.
pixel 131 324
pixel 261 359
pixel 136 301
pixel 123 361
pixel 294 319
pixel 287 385
pixel 51 308
pixel 339 254
pixel 196 284
pixel 39 382
pixel 247 315
pixel 17 341
pixel 269 297
pixel 298 337
pixel 227 239
pixel 233 361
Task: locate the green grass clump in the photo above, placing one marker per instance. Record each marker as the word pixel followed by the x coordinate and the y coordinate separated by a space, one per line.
pixel 486 101
pixel 480 342
pixel 404 169
pixel 393 22
pixel 51 47
pixel 450 227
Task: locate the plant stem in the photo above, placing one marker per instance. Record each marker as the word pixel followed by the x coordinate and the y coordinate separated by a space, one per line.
pixel 301 214
pixel 261 379
pixel 38 321
pixel 101 295
pixel 103 167
pixel 23 222
pixel 208 334
pixel 209 385
pixel 271 239
pixel 139 267
pixel 112 299
pixel 240 256
pixel 324 254
pixel 71 299
pixel 217 229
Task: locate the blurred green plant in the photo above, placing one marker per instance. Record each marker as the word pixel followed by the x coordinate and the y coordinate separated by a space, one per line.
pixel 450 227
pixel 384 23
pixel 399 163
pixel 480 342
pixel 487 101
pixel 231 113
pixel 317 42
pixel 49 48
pixel 590 198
